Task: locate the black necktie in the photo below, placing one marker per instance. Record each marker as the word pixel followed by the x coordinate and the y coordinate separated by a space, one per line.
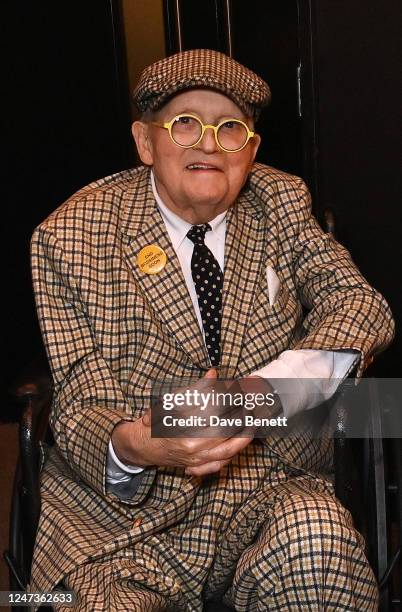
pixel 208 282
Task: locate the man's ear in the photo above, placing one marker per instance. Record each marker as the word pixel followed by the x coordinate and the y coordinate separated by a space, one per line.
pixel 255 143
pixel 142 140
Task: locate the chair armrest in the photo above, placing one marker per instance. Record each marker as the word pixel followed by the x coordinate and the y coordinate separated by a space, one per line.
pixel 33 430
pixel 33 396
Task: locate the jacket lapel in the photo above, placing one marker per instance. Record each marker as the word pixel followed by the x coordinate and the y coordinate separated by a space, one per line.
pixel 166 292
pixel 249 242
pixel 246 253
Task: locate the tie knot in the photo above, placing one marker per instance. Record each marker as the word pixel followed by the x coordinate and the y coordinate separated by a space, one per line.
pixel 197 233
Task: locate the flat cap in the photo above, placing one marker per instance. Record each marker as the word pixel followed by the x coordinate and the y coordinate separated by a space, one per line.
pixel 202 68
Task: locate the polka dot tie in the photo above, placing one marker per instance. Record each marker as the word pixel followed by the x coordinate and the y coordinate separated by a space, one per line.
pixel 208 282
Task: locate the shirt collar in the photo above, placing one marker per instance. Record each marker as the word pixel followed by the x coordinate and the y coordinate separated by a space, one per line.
pixel 177 227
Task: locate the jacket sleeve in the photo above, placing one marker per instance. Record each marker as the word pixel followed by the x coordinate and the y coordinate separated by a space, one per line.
pixel 345 312
pixel 88 400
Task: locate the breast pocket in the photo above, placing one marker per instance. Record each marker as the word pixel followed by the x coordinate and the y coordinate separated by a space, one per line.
pixel 275 308
pixel 273 285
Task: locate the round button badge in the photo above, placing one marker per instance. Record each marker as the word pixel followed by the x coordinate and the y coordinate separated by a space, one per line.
pixel 151 259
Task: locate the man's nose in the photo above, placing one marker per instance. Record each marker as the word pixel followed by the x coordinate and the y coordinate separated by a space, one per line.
pixel 208 143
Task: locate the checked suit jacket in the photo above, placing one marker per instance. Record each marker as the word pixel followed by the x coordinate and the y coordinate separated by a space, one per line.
pixel 110 330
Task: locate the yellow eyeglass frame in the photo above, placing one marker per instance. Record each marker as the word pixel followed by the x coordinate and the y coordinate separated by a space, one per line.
pixel 204 126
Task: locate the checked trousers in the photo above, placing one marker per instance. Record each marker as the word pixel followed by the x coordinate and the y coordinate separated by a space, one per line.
pixel 305 555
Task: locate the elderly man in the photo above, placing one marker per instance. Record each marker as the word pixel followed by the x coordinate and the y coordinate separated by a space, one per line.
pixel 134 522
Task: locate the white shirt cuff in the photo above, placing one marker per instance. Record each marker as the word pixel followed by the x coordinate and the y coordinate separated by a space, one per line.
pixel 116 471
pixel 315 376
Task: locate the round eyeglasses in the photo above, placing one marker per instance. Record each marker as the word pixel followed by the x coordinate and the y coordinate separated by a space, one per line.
pixel 186 131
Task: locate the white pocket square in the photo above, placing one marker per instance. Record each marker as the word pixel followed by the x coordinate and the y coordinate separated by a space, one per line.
pixel 274 285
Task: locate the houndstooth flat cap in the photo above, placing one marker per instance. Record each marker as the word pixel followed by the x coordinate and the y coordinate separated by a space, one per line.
pixel 201 68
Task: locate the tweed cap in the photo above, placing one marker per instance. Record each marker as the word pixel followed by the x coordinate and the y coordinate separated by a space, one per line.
pixel 201 68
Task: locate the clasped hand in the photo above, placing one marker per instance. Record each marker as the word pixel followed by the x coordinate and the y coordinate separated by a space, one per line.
pixel 134 445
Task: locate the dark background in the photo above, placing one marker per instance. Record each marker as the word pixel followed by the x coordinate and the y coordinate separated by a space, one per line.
pixel 67 122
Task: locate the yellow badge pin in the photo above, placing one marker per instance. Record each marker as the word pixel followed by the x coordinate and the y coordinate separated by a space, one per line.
pixel 151 259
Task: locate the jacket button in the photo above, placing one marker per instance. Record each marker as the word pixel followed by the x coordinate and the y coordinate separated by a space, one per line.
pixel 137 522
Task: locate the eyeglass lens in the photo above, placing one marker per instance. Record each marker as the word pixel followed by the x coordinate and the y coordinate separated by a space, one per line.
pixel 186 131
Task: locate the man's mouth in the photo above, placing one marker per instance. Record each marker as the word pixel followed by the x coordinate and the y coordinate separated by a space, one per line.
pixel 202 166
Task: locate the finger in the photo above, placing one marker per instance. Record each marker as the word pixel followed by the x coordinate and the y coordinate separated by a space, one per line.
pixel 146 418
pixel 225 450
pixel 197 448
pixel 206 468
pixel 212 373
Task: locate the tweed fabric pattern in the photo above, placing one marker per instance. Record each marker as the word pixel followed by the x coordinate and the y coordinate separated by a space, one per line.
pixel 307 556
pixel 201 68
pixel 110 330
pixel 261 562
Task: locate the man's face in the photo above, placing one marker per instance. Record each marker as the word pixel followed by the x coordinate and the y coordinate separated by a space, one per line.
pixel 196 195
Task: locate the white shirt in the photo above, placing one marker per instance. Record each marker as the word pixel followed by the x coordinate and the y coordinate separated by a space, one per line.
pixel 318 373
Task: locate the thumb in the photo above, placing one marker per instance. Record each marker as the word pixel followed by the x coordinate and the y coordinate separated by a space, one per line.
pixel 146 418
pixel 212 373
